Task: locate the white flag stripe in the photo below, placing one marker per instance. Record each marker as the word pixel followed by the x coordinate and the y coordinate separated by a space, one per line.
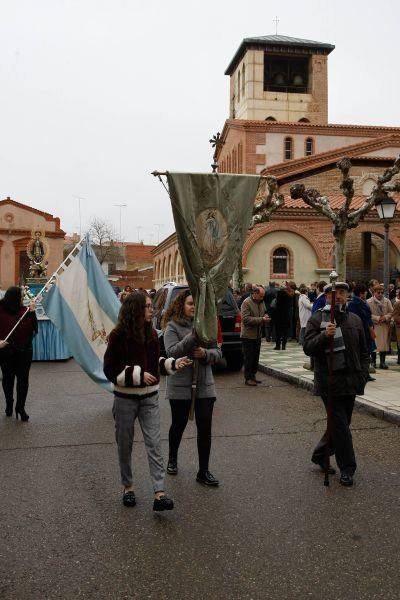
pixel 73 286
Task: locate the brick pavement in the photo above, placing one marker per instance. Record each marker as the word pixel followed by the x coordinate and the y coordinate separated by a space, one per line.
pixel 381 398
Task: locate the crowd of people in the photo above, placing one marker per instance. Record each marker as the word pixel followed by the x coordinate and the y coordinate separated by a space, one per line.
pixel 286 309
pixel 365 322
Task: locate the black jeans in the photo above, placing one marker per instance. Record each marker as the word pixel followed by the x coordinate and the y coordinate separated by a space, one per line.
pixel 180 414
pixel 341 443
pixel 251 355
pixel 16 366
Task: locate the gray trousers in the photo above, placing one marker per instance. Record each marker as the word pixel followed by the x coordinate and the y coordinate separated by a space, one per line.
pixel 125 411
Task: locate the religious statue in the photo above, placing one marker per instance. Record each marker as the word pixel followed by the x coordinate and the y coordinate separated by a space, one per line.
pixel 37 251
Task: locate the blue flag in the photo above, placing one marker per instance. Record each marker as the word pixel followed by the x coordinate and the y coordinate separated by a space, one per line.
pixel 84 307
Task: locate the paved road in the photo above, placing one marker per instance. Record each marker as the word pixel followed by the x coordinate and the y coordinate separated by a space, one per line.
pixel 271 531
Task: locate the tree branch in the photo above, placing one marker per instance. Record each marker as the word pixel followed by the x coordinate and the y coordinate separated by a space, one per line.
pixel 267 201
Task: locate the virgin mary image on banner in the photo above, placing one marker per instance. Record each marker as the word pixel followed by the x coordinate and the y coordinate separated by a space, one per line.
pixel 211 229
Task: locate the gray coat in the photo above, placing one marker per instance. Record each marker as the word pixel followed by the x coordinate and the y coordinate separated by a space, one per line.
pixel 179 341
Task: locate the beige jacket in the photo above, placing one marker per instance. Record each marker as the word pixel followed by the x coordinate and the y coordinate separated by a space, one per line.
pixel 382 330
pixel 396 319
pixel 252 318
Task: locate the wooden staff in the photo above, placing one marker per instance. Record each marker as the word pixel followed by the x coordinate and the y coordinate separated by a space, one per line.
pixel 333 276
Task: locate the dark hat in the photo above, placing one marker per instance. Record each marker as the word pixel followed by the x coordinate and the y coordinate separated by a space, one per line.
pixel 339 284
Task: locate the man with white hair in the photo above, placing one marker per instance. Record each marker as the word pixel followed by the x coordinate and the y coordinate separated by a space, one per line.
pixel 254 319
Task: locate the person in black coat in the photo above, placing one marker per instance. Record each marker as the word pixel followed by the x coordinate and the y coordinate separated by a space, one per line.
pixel 282 314
pixel 16 352
pixel 360 307
pixel 350 374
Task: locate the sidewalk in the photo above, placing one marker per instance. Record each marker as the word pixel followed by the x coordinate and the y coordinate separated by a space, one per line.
pixel 382 397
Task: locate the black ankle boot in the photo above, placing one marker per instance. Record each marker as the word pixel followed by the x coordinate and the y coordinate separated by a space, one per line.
pixel 9 408
pixel 382 363
pixel 277 346
pixel 373 359
pixel 21 412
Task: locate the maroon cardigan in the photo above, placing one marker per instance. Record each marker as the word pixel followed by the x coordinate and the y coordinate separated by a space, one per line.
pixel 126 361
pixel 21 339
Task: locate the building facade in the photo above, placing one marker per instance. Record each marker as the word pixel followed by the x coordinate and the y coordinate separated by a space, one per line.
pixel 17 223
pixel 278 125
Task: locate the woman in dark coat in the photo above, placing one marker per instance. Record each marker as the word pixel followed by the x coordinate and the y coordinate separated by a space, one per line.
pixel 282 313
pixel 16 352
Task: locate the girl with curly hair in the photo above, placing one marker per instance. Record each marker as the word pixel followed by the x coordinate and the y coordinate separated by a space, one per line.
pixel 132 363
pixel 180 340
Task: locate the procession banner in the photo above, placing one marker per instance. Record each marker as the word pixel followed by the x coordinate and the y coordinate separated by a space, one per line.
pixel 84 307
pixel 212 214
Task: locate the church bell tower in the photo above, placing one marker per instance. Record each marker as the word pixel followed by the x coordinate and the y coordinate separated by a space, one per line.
pixel 279 78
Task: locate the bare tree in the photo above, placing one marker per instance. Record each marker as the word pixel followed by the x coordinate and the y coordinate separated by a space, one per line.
pixel 268 200
pixel 104 241
pixel 345 218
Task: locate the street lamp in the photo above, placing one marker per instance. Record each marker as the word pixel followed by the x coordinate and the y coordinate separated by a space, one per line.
pixel 386 210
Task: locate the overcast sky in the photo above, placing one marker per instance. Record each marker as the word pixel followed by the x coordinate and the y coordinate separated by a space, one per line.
pixel 96 94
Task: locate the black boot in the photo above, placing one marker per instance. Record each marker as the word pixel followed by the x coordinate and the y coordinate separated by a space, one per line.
pixel 382 363
pixel 277 346
pixel 398 357
pixel 373 359
pixel 9 408
pixel 283 345
pixel 20 410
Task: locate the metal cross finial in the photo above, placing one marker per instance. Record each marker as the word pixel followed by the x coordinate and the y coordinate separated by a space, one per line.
pixel 276 21
pixel 216 142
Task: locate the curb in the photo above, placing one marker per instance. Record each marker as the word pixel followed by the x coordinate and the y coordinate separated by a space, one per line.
pixel 380 413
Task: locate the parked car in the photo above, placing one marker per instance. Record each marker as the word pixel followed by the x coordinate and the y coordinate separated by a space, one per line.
pixel 229 318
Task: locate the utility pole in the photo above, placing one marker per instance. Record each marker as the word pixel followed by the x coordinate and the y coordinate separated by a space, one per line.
pixel 79 198
pixel 159 225
pixel 120 206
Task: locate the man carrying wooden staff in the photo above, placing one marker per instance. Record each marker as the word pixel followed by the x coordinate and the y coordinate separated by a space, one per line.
pixel 340 381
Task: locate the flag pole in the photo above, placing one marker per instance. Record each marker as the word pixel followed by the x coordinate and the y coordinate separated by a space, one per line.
pixel 333 277
pixel 48 283
pixel 65 263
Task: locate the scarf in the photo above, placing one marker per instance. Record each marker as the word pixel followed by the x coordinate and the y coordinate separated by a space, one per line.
pixel 339 362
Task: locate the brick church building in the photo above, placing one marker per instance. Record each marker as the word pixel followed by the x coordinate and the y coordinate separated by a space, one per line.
pixel 278 125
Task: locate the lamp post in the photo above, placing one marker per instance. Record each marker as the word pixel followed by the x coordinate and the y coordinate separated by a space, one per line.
pixel 386 209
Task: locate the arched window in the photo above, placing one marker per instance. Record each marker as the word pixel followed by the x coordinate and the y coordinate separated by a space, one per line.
pixel 304 120
pixel 238 87
pixel 243 79
pixel 309 147
pixel 234 165
pixel 288 148
pixel 270 119
pixel 280 261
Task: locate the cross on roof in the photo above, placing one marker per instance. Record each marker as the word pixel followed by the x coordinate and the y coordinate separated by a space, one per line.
pixel 276 21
